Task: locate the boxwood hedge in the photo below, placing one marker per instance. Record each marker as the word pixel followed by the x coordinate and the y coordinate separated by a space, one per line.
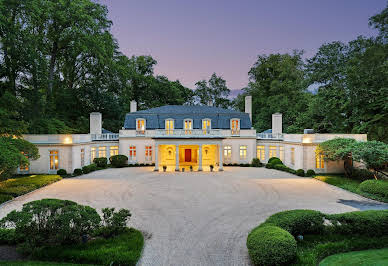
pixel 376 187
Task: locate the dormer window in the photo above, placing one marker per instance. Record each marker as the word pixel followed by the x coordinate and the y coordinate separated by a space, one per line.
pixel 169 125
pixel 235 126
pixel 140 126
pixel 188 126
pixel 206 125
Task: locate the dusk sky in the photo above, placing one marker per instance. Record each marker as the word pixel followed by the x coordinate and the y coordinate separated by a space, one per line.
pixel 192 39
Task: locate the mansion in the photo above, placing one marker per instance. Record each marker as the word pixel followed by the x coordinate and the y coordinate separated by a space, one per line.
pixel 184 137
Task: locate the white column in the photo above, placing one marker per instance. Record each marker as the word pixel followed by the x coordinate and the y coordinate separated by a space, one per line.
pixel 266 152
pixel 156 158
pixel 200 158
pixel 221 167
pixel 177 158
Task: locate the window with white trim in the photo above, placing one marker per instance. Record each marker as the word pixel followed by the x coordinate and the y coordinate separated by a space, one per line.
pixel 272 151
pixel 140 126
pixel 113 150
pixel 292 156
pixel 281 153
pixel 102 151
pixel 206 125
pixel 92 153
pixel 148 153
pixel 319 161
pixel 54 160
pixel 82 157
pixel 169 125
pixel 188 126
pixel 235 126
pixel 132 154
pixel 243 152
pixel 227 153
pixel 260 152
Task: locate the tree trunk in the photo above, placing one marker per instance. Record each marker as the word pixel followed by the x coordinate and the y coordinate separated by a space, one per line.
pixel 348 167
pixel 53 60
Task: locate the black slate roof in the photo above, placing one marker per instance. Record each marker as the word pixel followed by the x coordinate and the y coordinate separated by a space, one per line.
pixel 155 117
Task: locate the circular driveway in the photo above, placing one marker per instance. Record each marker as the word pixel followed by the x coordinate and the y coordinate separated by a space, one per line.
pixel 198 218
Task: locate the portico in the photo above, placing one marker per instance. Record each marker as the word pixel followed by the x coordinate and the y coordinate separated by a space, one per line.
pixel 185 155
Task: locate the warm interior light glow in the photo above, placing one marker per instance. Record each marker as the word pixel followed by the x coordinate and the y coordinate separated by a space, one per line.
pixel 67 140
pixel 306 140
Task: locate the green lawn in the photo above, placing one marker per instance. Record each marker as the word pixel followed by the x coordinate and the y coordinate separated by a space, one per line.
pixel 21 185
pixel 37 263
pixel 373 257
pixel 351 185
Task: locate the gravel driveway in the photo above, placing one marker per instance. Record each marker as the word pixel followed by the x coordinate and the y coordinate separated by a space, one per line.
pixel 197 218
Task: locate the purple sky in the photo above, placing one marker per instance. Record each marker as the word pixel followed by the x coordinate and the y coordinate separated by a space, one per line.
pixel 192 39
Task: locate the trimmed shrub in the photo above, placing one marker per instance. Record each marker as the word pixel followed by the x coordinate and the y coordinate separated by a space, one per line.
pixel 362 174
pixel 93 167
pixel 22 185
pixel 118 160
pixel 256 163
pixel 64 216
pixel 370 223
pixel 298 222
pixel 269 165
pixel 300 172
pixel 271 245
pixel 114 223
pixel 375 187
pixel 5 197
pixel 7 236
pixel 77 171
pixel 284 168
pixel 310 172
pixel 101 162
pixel 86 169
pixel 275 160
pixel 61 172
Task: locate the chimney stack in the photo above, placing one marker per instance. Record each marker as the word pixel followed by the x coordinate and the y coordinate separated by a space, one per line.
pixel 95 123
pixel 277 123
pixel 248 106
pixel 133 106
pixel 210 103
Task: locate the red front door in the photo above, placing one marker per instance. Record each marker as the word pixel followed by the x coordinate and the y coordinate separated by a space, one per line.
pixel 187 155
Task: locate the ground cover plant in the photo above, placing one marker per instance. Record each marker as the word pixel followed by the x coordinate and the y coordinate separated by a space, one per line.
pixel 316 236
pixel 366 257
pixel 64 231
pixel 18 186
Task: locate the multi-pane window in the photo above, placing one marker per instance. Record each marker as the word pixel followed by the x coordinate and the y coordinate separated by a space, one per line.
pixel 114 150
pixel 148 153
pixel 102 151
pixel 169 126
pixel 260 152
pixel 92 153
pixel 82 157
pixel 292 156
pixel 206 125
pixel 319 161
pixel 272 151
pixel 235 126
pixel 227 153
pixel 243 152
pixel 132 153
pixel 281 153
pixel 54 160
pixel 140 126
pixel 188 126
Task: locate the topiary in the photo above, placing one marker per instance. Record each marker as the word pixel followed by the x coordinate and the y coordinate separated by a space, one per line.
pixel 275 160
pixel 118 160
pixel 375 187
pixel 93 167
pixel 86 169
pixel 101 162
pixel 77 171
pixel 256 162
pixel 269 165
pixel 298 222
pixel 271 245
pixel 300 172
pixel 61 172
pixel 310 172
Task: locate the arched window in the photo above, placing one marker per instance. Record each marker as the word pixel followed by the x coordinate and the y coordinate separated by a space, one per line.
pixel 140 126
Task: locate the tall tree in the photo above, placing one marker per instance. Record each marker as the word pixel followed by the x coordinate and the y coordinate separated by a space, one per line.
pixel 214 90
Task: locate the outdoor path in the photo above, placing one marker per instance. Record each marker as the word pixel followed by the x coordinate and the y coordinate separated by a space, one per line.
pixel 198 218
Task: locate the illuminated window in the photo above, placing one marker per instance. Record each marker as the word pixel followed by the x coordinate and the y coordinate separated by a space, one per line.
pixel 206 125
pixel 132 153
pixel 292 156
pixel 235 126
pixel 188 126
pixel 102 151
pixel 243 152
pixel 148 153
pixel 281 153
pixel 140 126
pixel 114 150
pixel 260 152
pixel 24 167
pixel 169 126
pixel 54 160
pixel 319 161
pixel 272 151
pixel 227 153
pixel 92 153
pixel 82 157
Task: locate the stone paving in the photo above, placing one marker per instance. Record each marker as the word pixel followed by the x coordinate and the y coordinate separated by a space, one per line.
pixel 197 218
